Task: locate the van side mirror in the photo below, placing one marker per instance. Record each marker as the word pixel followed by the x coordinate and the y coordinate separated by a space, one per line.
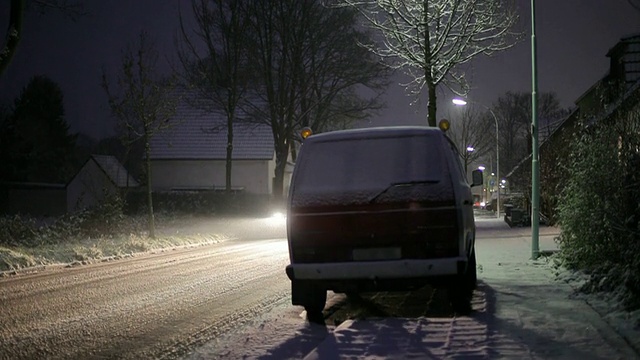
pixel 476 176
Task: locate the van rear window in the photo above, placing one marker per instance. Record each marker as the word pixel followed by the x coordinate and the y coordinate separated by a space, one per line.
pixel 367 165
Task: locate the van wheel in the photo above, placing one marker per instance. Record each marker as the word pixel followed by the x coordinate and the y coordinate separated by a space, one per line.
pixel 460 294
pixel 472 270
pixel 460 298
pixel 314 304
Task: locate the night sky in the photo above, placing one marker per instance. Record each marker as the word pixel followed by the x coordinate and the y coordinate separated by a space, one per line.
pixel 573 37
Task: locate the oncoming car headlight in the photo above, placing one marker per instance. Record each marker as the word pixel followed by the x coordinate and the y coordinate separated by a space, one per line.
pixel 277 218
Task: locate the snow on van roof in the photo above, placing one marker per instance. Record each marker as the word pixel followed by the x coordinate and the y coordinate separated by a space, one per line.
pixel 374 131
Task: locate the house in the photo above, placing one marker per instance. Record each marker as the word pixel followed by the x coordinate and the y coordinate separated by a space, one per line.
pixel 191 155
pixel 99 177
pixel 611 96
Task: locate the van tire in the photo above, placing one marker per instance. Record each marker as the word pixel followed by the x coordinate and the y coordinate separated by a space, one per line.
pixel 472 270
pixel 314 304
pixel 460 294
pixel 460 299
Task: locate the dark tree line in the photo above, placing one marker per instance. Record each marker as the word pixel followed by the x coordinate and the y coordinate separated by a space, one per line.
pixel 35 143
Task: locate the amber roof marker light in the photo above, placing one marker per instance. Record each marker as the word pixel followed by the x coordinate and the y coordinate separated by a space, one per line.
pixel 306 132
pixel 444 125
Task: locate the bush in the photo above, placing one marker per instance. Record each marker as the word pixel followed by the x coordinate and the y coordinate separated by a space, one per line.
pixel 204 202
pixel 106 219
pixel 16 230
pixel 598 210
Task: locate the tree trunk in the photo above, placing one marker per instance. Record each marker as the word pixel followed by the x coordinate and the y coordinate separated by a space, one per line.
pixel 431 119
pixel 151 220
pixel 428 77
pixel 229 153
pixel 14 33
pixel 281 164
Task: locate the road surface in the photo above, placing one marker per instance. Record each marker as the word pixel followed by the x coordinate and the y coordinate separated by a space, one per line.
pixel 151 306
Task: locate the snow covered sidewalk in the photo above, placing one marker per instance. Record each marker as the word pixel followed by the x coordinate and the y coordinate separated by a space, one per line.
pixel 521 312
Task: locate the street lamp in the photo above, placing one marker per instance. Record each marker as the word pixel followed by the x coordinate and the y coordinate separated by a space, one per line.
pixel 535 163
pixel 461 102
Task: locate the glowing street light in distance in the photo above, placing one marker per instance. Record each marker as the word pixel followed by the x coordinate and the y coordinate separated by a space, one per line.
pixel 459 102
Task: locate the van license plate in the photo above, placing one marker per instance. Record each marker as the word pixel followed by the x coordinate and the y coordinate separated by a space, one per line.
pixel 387 253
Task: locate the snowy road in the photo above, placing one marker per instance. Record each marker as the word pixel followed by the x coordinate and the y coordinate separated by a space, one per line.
pixel 149 306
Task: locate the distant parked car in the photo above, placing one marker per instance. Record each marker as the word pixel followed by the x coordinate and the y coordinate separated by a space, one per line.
pixel 380 209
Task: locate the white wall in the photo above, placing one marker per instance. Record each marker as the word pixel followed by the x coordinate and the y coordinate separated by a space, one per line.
pixel 253 175
pixel 88 187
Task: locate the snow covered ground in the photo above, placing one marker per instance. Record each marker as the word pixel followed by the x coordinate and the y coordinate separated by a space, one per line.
pixel 524 309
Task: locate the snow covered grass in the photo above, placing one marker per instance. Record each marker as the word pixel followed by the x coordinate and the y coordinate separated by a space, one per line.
pixel 68 246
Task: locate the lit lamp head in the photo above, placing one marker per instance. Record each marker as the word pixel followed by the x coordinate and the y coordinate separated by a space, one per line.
pixel 459 102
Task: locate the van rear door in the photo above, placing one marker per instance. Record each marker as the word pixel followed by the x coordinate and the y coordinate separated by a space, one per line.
pixel 372 196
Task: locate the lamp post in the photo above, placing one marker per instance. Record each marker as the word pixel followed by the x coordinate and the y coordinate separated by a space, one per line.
pixel 461 102
pixel 535 163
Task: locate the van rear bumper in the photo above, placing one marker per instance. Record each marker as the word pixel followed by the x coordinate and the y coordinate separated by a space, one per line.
pixel 372 270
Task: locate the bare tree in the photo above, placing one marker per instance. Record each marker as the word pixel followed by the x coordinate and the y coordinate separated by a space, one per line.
pixel 308 69
pixel 144 103
pixel 514 113
pixel 513 110
pixel 469 131
pixel 214 60
pixel 430 39
pixel 17 9
pixel 550 112
pixel 328 85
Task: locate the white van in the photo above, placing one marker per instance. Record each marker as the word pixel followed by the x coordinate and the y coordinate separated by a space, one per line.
pixel 380 209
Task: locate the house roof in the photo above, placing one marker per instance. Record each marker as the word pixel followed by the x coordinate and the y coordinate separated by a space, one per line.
pixel 115 171
pixel 200 135
pixel 607 112
pixel 623 40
